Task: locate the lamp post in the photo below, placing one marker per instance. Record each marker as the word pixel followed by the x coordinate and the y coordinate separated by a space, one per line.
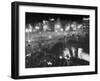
pixel 29 30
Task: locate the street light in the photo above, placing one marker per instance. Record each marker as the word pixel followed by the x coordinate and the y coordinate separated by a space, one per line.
pixel 29 30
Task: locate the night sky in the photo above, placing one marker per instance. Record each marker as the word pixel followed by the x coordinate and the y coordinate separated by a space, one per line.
pixel 39 17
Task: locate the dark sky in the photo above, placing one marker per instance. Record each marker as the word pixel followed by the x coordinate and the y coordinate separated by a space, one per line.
pixel 38 17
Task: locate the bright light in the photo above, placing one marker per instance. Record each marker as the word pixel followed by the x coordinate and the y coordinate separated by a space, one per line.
pixel 29 41
pixel 28 55
pixel 26 30
pixel 85 18
pixel 30 30
pixel 50 37
pixel 37 27
pixel 45 27
pixel 67 28
pixel 79 26
pixel 61 29
pixel 49 63
pixel 52 19
pixel 60 57
pixel 44 22
pixel 57 26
